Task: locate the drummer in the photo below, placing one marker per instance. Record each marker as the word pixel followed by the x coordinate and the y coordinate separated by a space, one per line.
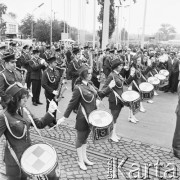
pixel 86 97
pixel 15 125
pixel 115 101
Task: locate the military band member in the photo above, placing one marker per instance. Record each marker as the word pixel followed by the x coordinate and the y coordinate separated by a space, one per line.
pixel 10 75
pixel 12 47
pixel 50 82
pixel 107 63
pixel 115 102
pixel 74 66
pixel 36 66
pixel 2 54
pixel 46 55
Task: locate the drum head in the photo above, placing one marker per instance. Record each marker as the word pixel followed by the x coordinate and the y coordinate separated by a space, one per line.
pixel 160 76
pixel 100 118
pixel 164 72
pixel 153 80
pixel 145 86
pixel 38 159
pixel 130 96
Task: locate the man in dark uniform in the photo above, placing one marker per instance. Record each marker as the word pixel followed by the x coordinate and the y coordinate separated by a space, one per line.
pixel 46 55
pixel 12 48
pixel 36 75
pixel 10 75
pixel 25 58
pixel 50 82
pixel 74 66
pixel 107 63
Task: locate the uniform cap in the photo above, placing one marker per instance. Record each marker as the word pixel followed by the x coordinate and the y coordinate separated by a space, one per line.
pixel 35 51
pixel 10 57
pixel 116 63
pixel 51 59
pixel 25 47
pixel 3 47
pixel 13 89
pixel 57 49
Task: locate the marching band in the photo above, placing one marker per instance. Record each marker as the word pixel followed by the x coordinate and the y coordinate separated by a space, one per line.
pixel 94 74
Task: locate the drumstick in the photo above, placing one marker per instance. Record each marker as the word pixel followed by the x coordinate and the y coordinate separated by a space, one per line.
pixel 57 109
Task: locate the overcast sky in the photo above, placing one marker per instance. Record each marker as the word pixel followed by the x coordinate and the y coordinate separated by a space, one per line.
pixel 158 12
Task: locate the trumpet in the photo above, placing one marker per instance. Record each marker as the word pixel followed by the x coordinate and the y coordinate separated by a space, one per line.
pixel 23 72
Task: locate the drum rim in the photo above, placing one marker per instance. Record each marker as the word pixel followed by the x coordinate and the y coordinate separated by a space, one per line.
pixel 161 76
pixel 131 91
pixel 146 83
pixel 100 110
pixel 155 78
pixel 45 172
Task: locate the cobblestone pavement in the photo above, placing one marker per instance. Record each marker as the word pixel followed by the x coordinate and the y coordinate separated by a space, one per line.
pixel 63 139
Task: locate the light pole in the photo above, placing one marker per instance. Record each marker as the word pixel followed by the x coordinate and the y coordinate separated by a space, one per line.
pixel 51 26
pixel 124 34
pixel 32 19
pixel 144 24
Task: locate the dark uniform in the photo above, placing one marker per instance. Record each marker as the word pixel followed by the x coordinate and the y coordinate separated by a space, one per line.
pixel 50 82
pixel 36 75
pixel 107 65
pixel 46 56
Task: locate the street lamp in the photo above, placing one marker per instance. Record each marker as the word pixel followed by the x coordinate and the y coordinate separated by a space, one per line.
pixel 32 19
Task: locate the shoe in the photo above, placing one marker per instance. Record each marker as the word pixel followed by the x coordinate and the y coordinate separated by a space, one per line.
pixel 132 120
pixel 75 111
pixel 82 166
pixel 39 102
pixel 34 103
pixel 89 163
pixel 135 119
pixel 114 139
pixel 166 91
pixel 156 94
pixel 51 125
pixel 142 110
pixel 150 101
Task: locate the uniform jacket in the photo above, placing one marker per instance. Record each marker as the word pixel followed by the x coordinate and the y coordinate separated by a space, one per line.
pixel 107 65
pixel 50 80
pixel 118 88
pixel 17 125
pixel 88 100
pixel 25 57
pixel 73 68
pixel 7 78
pixel 36 69
pixel 173 68
pixel 45 56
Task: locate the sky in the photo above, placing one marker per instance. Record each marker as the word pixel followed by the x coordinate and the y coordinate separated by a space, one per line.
pixel 80 14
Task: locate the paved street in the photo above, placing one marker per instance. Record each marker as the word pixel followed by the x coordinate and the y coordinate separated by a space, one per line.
pixel 143 143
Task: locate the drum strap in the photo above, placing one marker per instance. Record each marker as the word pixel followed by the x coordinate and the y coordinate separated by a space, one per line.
pixel 136 86
pixel 84 113
pixel 117 96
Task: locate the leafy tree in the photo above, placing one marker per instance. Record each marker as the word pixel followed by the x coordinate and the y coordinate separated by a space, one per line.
pixel 42 30
pixel 167 32
pixel 3 9
pixel 26 24
pixel 111 18
pixel 13 15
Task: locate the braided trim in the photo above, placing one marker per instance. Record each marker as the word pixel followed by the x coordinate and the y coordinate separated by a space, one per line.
pixel 74 66
pixel 7 124
pixel 83 96
pixel 5 79
pixel 49 78
pixel 116 84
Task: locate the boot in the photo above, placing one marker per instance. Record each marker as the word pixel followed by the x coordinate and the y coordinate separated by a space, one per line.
pixel 80 157
pixel 85 159
pixel 142 108
pixel 155 93
pixel 150 101
pixel 113 136
pixel 115 132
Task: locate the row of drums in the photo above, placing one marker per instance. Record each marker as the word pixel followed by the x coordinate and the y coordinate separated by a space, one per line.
pixel 101 121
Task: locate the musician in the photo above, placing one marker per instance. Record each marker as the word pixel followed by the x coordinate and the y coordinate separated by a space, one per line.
pixel 9 75
pixel 25 58
pixel 84 96
pixel 74 66
pixel 36 66
pixel 115 103
pixel 107 63
pixel 15 125
pixel 50 81
pixel 173 68
pixel 46 55
pixel 2 54
pixel 12 47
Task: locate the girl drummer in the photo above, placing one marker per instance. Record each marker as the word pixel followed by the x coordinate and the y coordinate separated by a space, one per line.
pixel 85 95
pixel 15 125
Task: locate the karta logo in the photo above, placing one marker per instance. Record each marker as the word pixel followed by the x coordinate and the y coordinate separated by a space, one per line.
pixel 141 171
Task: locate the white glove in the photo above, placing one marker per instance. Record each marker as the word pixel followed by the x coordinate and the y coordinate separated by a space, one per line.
pixel 98 102
pixel 52 106
pixel 55 93
pixel 112 84
pixel 60 120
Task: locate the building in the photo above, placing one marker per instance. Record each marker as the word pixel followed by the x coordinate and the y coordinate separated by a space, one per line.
pixel 11 26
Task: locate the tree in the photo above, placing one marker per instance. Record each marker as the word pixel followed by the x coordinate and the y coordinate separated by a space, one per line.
pixel 166 32
pixel 13 15
pixel 25 26
pixel 3 9
pixel 111 18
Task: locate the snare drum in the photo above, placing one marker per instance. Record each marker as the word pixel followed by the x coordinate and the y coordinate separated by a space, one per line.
pixel 165 73
pixel 147 91
pixel 132 100
pixel 102 125
pixel 162 79
pixel 154 81
pixel 40 161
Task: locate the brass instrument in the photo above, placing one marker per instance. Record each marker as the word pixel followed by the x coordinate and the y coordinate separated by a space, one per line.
pixel 23 75
pixel 58 97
